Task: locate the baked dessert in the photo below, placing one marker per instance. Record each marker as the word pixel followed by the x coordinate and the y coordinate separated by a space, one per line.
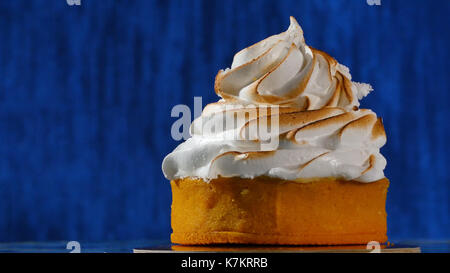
pixel 285 157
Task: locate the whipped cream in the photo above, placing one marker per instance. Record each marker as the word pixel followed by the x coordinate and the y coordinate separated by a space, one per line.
pixel 320 130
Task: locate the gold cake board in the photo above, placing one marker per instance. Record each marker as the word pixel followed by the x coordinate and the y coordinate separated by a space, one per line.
pixel 390 248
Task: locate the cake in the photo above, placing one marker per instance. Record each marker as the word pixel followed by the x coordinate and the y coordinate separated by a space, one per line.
pixel 285 157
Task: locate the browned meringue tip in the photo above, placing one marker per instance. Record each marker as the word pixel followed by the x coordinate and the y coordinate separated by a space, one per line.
pixel 371 161
pixel 306 118
pixel 223 75
pixel 378 129
pixel 323 123
pixel 293 20
pixel 332 62
pixel 365 122
pixel 345 88
pixel 334 99
pixel 290 120
pixel 301 167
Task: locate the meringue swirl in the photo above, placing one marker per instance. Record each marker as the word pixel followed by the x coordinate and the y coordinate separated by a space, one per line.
pixel 302 92
pixel 329 142
pixel 283 70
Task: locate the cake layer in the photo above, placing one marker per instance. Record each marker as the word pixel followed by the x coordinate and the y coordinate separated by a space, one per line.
pixel 269 211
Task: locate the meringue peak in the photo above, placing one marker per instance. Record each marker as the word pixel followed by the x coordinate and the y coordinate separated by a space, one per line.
pixel 283 70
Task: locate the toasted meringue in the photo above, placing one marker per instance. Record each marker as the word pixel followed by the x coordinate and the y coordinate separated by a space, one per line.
pixel 303 93
pixel 283 70
pixel 328 142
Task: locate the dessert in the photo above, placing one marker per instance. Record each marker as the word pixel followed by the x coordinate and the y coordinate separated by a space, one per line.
pixel 285 157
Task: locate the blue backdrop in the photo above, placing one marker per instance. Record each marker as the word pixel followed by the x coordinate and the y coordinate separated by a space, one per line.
pixel 86 93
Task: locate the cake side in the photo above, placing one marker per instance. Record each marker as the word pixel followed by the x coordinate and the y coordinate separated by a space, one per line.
pixel 262 210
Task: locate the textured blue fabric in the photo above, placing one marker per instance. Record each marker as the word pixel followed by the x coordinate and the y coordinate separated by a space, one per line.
pixel 86 93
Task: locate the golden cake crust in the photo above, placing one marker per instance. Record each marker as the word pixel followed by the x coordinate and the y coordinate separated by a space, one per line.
pixel 270 211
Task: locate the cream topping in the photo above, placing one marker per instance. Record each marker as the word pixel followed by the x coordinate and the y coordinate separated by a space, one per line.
pixel 328 142
pixel 308 104
pixel 283 70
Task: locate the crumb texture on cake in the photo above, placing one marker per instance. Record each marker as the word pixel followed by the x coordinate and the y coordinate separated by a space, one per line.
pixel 263 210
